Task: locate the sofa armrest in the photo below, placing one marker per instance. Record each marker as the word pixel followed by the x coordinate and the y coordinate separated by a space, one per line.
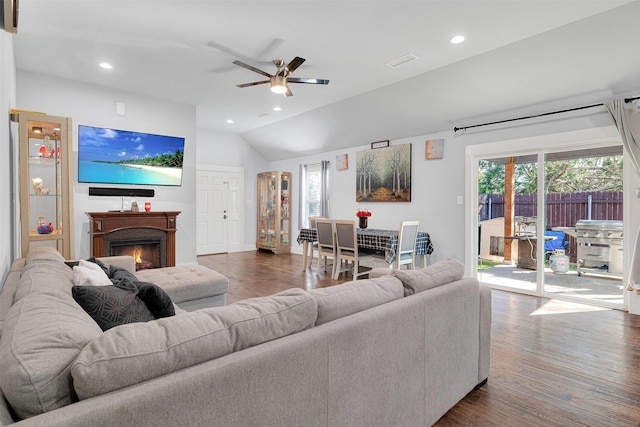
pixel 123 261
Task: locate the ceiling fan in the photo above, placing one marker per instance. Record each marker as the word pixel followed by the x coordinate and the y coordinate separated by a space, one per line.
pixel 279 81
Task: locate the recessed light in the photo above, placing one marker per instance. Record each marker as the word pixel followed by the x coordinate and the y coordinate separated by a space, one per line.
pixel 457 39
pixel 106 65
pixel 230 121
pixel 277 109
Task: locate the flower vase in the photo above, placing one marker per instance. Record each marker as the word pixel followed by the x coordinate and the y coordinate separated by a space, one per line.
pixel 363 221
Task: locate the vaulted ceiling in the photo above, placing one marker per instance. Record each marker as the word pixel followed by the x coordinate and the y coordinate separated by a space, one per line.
pixel 522 56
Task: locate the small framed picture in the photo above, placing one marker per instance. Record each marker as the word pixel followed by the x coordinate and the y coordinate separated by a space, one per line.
pixel 434 149
pixel 380 144
pixel 342 162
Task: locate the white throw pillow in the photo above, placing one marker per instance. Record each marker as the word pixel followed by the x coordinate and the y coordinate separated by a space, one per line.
pixel 85 276
pixel 90 265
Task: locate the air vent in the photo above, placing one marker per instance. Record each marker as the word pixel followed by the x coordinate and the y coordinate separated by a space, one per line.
pixel 401 60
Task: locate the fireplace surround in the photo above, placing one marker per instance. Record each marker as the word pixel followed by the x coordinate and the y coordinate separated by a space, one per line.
pixel 147 236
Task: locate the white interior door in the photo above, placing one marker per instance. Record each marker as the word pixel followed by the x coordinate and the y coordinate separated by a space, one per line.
pixel 219 216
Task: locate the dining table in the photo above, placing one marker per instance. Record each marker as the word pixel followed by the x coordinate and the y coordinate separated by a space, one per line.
pixel 370 238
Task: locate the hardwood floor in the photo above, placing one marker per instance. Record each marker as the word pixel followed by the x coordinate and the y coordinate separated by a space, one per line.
pixel 553 363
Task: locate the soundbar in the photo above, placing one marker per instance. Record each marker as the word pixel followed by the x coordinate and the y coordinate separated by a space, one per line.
pixel 121 192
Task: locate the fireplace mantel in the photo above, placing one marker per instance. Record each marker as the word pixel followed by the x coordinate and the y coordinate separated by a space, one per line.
pixel 102 224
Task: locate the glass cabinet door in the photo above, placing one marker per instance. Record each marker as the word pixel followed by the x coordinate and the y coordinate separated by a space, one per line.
pixel 45 183
pixel 273 228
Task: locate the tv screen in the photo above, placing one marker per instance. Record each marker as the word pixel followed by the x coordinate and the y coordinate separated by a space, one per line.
pixel 111 156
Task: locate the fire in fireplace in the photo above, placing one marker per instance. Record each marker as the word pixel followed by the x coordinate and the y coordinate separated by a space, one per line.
pixel 145 253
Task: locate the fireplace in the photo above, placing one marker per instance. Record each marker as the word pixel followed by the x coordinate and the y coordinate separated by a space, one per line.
pixel 145 253
pixel 147 236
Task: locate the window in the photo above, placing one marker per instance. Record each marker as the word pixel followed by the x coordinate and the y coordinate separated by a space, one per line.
pixel 314 198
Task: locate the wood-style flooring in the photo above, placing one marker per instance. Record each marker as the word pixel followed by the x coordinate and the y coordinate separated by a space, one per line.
pixel 553 363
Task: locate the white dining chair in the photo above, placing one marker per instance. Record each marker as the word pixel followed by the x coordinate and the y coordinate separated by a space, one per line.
pixel 326 243
pixel 347 250
pixel 406 249
pixel 406 252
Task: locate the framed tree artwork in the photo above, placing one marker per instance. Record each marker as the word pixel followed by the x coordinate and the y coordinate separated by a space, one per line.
pixel 384 174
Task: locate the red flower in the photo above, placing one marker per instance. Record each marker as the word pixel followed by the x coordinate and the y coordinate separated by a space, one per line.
pixel 361 214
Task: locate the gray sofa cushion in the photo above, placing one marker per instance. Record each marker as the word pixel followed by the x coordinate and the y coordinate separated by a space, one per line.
pixel 343 300
pixel 42 335
pixel 438 273
pixel 44 254
pixel 137 352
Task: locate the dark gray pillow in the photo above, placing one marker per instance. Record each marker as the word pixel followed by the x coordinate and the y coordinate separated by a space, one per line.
pixel 112 305
pixel 156 299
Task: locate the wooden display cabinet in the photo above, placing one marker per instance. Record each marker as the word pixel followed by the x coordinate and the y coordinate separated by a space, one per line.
pixel 274 210
pixel 46 190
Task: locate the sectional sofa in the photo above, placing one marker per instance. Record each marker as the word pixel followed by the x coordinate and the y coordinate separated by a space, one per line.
pixel 398 350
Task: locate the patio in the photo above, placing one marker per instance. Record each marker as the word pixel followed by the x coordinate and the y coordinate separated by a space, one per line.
pixel 596 288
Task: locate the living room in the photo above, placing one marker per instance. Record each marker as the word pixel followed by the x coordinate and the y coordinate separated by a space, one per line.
pixel 438 185
pixel 93 105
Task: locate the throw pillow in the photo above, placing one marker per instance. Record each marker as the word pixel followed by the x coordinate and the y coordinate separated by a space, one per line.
pixel 84 276
pixel 112 305
pixel 92 260
pixel 436 274
pixel 156 299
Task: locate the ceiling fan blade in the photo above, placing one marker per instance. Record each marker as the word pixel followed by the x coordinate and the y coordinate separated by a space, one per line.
pixel 310 81
pixel 293 65
pixel 227 50
pixel 252 68
pixel 253 83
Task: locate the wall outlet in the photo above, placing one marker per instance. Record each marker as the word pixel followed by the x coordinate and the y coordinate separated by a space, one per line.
pixel 459 200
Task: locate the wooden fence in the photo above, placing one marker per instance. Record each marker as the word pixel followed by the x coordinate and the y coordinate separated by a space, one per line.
pixel 562 209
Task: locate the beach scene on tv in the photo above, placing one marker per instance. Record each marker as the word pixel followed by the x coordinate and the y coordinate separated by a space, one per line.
pixel 111 156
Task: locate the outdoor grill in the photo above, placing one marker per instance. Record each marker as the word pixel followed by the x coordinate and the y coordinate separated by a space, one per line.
pixel 599 246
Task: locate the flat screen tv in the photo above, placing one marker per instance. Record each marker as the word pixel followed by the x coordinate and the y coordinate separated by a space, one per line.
pixel 111 156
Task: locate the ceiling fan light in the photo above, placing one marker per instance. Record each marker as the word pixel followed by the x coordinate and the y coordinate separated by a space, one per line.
pixel 278 84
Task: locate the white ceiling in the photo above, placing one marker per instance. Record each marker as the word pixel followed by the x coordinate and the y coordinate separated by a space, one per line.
pixel 519 56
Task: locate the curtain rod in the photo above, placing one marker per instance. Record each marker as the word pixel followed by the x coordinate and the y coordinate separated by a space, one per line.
pixel 456 129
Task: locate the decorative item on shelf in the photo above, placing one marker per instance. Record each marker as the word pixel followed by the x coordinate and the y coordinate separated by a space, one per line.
pixel 147 206
pixel 38 184
pixel 134 207
pixel 43 228
pixel 363 217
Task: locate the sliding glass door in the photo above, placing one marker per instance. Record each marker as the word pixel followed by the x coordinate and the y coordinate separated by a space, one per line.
pixel 583 225
pixel 550 222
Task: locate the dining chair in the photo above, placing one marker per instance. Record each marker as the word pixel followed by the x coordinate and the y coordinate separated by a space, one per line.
pixel 406 249
pixel 312 221
pixel 406 252
pixel 347 249
pixel 326 243
pixel 314 245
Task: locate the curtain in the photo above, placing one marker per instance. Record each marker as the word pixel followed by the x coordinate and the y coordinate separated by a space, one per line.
pixel 324 195
pixel 627 119
pixel 302 210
